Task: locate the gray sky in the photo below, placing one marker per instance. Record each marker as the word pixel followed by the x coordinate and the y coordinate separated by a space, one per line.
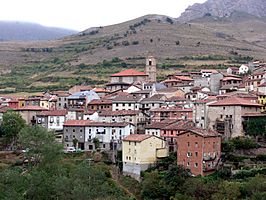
pixel 82 14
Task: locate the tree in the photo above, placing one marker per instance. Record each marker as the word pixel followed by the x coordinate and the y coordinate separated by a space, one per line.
pixel 75 142
pixel 256 127
pixel 41 145
pixel 96 143
pixel 11 126
pixel 153 187
pixel 227 190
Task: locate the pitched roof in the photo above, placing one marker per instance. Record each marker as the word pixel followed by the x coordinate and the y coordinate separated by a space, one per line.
pixel 53 113
pixel 119 113
pixel 31 108
pixel 231 78
pixel 129 72
pixel 76 122
pixel 161 124
pixel 100 102
pixel 156 97
pixel 209 71
pixel 202 132
pixel 128 98
pixel 262 85
pixel 184 78
pixel 171 109
pixel 168 90
pixel 136 137
pixel 234 101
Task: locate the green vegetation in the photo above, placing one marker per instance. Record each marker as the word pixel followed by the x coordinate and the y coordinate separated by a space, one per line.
pixel 51 175
pixel 10 128
pixel 256 127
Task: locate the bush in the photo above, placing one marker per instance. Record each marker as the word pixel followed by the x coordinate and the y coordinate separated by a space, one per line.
pixel 243 143
pixel 135 43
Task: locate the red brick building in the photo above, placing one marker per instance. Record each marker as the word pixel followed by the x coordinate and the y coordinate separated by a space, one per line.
pixel 199 150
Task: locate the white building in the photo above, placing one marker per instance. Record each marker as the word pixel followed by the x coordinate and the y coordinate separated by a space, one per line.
pixel 243 69
pixel 52 120
pixel 110 135
pixel 128 102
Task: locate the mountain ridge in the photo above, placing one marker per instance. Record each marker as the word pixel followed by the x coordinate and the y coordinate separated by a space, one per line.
pixel 224 8
pixel 26 31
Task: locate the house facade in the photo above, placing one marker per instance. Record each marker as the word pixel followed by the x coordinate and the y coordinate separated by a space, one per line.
pixel 199 151
pixel 141 152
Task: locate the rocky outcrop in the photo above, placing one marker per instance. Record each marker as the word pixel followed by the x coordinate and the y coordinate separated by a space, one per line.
pixel 224 8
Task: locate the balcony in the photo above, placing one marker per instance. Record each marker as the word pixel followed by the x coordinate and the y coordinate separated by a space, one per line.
pixel 209 158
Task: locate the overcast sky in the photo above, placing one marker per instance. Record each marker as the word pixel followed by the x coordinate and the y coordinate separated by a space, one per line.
pixel 82 14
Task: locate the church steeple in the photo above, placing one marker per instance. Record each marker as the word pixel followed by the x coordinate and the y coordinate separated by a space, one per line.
pixel 150 69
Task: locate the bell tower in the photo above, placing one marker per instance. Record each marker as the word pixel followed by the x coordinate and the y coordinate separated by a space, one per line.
pixel 150 69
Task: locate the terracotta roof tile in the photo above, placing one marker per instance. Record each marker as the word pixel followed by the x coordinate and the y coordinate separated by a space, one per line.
pixel 234 101
pixel 31 108
pixel 54 113
pixel 184 78
pixel 100 102
pixel 119 113
pixel 202 132
pixel 129 72
pixel 136 137
pixel 76 122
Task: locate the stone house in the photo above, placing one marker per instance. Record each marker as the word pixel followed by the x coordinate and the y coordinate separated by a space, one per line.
pixel 226 115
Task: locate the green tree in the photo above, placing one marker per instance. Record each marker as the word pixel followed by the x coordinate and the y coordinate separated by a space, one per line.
pixel 256 127
pixel 75 142
pixel 11 126
pixel 228 190
pixel 153 187
pixel 41 145
pixel 96 143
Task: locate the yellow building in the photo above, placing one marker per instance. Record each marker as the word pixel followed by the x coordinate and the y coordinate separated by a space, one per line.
pixel 44 103
pixel 262 101
pixel 21 102
pixel 140 152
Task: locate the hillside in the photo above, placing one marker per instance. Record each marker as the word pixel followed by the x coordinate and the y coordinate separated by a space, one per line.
pixel 91 56
pixel 30 31
pixel 224 8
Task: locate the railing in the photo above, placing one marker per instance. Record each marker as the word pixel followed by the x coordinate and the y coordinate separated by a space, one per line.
pixel 209 158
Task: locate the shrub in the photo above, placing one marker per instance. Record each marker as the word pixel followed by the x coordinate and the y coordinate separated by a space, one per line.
pixel 125 43
pixel 135 43
pixel 244 143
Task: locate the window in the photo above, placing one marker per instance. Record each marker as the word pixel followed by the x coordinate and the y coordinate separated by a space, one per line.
pixel 74 130
pixel 188 144
pixel 129 143
pixel 189 154
pixel 188 164
pixel 196 144
pixel 135 143
pixel 196 154
pixel 221 116
pixel 196 165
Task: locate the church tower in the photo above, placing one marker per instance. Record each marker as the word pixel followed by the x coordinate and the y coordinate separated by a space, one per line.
pixel 150 69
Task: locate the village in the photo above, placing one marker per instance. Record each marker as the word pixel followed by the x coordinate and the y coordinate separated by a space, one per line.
pixel 188 113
